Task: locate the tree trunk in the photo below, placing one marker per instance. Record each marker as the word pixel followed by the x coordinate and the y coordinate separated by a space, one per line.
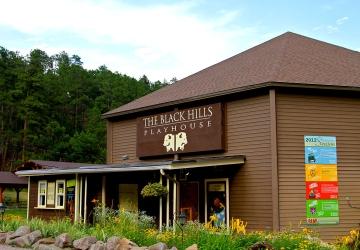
pixel 24 139
pixel 18 190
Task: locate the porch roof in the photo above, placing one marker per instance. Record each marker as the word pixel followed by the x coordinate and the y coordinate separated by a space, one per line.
pixel 139 166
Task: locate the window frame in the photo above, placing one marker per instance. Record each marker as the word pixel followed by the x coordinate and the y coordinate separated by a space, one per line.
pixel 39 194
pixel 57 194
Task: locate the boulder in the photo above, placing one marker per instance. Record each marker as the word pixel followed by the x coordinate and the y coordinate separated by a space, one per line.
pixel 192 247
pixel 173 248
pixel 84 243
pixel 261 246
pixel 26 240
pixel 125 244
pixel 51 247
pixel 44 241
pixel 21 231
pixel 3 237
pixel 158 246
pixel 99 245
pixel 139 248
pixel 112 242
pixel 63 240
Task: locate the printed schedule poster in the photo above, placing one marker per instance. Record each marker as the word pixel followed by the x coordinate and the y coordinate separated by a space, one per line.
pixel 320 149
pixel 322 190
pixel 321 172
pixel 322 211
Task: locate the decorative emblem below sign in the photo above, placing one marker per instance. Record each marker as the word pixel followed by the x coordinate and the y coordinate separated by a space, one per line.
pixel 175 142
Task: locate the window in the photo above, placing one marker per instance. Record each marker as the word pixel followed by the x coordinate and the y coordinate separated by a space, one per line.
pixel 51 194
pixel 60 194
pixel 42 187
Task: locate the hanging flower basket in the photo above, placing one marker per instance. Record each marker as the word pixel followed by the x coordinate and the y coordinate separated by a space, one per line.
pixel 154 190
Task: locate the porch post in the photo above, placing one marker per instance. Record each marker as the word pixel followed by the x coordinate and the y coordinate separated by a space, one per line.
pixel 174 203
pixel 28 200
pixel 76 215
pixel 167 204
pixel 103 193
pixel 85 200
pixel 160 208
pixel 81 199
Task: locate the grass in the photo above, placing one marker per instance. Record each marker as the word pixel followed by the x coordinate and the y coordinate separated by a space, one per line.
pixel 21 212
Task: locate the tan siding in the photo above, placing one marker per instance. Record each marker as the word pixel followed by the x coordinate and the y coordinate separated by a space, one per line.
pixel 248 133
pixel 124 141
pixel 300 115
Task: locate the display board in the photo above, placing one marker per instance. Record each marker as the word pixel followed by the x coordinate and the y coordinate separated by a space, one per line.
pixel 322 205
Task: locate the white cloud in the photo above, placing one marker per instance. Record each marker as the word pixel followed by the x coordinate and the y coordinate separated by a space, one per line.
pixel 332 29
pixel 165 40
pixel 342 20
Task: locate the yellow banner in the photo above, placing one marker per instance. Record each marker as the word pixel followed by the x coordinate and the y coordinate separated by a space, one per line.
pixel 321 172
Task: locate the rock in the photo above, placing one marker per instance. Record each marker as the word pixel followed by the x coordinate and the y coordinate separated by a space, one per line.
pixel 84 243
pixel 3 237
pixel 139 248
pixel 112 242
pixel 50 247
pixel 192 247
pixel 26 240
pixel 261 246
pixel 63 240
pixel 158 246
pixel 173 248
pixel 99 245
pixel 45 241
pixel 21 231
pixel 125 244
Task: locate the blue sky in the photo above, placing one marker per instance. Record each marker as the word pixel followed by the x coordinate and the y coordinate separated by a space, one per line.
pixel 166 39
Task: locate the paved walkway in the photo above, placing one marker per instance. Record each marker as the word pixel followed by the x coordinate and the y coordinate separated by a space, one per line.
pixel 6 247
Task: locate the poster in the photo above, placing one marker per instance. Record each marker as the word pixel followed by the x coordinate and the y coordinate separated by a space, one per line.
pixel 321 172
pixel 322 192
pixel 322 211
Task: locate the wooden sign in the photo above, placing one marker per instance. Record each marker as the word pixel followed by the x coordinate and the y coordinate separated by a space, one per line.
pixel 181 131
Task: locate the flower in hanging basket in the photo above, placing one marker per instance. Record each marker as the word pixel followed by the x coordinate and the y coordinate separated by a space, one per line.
pixel 154 190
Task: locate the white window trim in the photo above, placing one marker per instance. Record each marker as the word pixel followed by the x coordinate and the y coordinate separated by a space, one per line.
pixel 56 193
pixel 38 198
pixel 227 199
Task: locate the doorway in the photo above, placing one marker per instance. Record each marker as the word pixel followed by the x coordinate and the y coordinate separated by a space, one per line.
pixel 189 200
pixel 217 200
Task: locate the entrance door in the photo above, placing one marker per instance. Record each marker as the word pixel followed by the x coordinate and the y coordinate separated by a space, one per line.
pixel 217 201
pixel 189 200
pixel 128 197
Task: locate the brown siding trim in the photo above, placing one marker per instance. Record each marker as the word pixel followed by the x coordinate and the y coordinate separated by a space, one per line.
pixel 274 165
pixel 109 139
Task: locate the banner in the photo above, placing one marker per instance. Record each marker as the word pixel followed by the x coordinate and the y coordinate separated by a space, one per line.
pixel 322 206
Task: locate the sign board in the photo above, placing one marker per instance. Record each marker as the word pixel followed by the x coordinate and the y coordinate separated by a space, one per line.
pixel 322 190
pixel 322 205
pixel 322 211
pixel 188 130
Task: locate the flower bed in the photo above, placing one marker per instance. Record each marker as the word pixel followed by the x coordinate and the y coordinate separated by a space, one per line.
pixel 142 230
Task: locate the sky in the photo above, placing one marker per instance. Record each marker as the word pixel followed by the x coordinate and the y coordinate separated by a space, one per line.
pixel 167 39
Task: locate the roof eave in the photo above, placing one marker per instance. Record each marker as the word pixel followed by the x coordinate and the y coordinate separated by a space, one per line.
pixel 229 92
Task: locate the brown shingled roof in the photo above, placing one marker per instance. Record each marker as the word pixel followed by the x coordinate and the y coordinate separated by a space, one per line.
pixel 59 164
pixel 9 179
pixel 288 58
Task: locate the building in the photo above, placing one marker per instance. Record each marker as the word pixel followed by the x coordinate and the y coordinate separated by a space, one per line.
pixel 273 132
